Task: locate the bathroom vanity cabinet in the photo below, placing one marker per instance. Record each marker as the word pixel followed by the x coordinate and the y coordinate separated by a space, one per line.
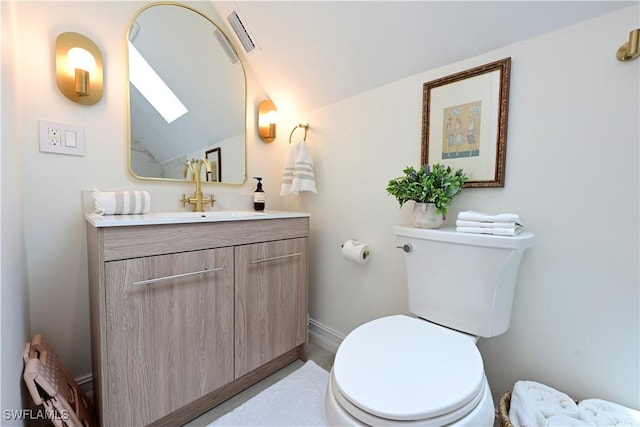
pixel 185 315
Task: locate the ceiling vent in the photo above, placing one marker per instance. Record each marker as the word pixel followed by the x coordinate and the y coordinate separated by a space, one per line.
pixel 241 31
pixel 231 53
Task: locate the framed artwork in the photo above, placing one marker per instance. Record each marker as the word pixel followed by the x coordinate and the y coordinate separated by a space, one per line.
pixel 215 159
pixel 464 122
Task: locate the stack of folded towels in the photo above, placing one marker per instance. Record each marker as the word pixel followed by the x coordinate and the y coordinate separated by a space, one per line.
pixel 504 224
pixel 534 404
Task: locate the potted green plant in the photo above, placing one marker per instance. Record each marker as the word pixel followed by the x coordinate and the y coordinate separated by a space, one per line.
pixel 431 188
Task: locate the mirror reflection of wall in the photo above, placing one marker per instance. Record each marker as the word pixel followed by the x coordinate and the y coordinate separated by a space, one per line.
pixel 199 66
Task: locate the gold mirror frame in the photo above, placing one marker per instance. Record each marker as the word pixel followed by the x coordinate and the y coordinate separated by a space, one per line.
pixel 204 148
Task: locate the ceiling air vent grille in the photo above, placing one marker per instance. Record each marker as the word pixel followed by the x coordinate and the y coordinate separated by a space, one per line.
pixel 241 32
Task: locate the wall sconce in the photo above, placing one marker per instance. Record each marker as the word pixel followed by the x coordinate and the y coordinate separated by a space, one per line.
pixel 78 68
pixel 267 118
pixel 630 50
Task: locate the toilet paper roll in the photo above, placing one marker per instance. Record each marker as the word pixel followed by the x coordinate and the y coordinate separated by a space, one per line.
pixel 355 251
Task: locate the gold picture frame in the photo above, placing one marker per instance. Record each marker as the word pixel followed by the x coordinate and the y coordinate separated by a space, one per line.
pixel 464 122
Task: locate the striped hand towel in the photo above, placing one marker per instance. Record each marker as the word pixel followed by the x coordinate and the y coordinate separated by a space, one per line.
pixel 298 172
pixel 121 202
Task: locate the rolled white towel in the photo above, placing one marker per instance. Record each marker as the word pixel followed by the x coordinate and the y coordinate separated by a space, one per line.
pixel 479 216
pixel 598 412
pixel 121 202
pixel 465 223
pixel 496 231
pixel 533 403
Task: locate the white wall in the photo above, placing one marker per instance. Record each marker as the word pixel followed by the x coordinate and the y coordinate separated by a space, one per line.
pixel 571 173
pixel 14 306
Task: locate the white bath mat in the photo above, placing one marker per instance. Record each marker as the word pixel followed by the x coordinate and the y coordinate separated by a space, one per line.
pixel 296 400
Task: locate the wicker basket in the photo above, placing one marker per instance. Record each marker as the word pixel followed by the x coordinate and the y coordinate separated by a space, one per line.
pixel 503 410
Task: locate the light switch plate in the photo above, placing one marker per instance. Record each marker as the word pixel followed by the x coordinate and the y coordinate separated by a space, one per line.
pixel 61 138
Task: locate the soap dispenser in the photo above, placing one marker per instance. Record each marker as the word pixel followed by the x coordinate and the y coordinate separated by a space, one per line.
pixel 258 196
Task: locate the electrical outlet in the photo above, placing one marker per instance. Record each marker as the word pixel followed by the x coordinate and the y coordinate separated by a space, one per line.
pixel 61 138
pixel 54 136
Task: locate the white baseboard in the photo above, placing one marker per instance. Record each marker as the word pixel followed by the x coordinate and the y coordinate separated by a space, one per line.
pixel 324 336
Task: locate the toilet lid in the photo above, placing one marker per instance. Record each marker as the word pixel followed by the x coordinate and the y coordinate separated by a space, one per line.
pixel 402 368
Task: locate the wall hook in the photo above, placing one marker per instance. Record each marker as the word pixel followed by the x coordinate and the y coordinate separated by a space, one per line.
pixel 631 49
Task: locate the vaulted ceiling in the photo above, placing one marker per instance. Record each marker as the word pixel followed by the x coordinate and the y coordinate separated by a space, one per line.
pixel 319 52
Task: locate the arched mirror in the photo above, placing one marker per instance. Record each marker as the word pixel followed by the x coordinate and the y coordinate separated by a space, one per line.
pixel 192 104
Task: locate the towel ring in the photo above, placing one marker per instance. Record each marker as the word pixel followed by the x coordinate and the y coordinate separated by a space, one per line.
pixel 304 126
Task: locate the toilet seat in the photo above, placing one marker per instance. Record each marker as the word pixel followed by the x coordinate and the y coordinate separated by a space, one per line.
pixel 340 412
pixel 406 370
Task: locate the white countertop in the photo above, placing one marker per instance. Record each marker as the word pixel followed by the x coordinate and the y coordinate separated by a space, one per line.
pixel 186 217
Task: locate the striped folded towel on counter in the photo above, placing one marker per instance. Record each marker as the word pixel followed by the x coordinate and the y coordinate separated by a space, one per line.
pixel 121 202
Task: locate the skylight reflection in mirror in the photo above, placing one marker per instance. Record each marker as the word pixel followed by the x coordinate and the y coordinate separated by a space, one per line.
pixel 152 87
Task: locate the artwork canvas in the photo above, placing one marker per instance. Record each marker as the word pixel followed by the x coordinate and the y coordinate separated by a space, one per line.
pixel 462 134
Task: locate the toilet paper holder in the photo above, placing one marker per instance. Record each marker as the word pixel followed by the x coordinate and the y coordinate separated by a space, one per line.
pixel 365 254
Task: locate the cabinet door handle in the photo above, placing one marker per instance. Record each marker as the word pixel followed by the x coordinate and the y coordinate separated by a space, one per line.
pixel 176 276
pixel 258 261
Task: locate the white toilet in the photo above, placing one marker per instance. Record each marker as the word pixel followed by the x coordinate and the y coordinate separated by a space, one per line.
pixel 427 371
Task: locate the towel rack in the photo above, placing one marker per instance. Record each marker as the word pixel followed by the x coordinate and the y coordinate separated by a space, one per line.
pixel 304 126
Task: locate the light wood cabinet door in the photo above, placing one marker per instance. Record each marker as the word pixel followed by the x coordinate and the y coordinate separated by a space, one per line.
pixel 168 341
pixel 270 301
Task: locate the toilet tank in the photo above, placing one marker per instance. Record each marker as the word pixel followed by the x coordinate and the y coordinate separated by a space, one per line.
pixel 462 281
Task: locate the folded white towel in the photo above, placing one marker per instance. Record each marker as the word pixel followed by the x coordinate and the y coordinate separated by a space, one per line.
pixel 533 403
pixel 598 412
pixel 465 223
pixel 301 177
pixel 489 230
pixel 121 202
pixel 479 216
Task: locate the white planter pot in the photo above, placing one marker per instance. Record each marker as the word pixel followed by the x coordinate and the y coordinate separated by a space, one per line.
pixel 425 216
